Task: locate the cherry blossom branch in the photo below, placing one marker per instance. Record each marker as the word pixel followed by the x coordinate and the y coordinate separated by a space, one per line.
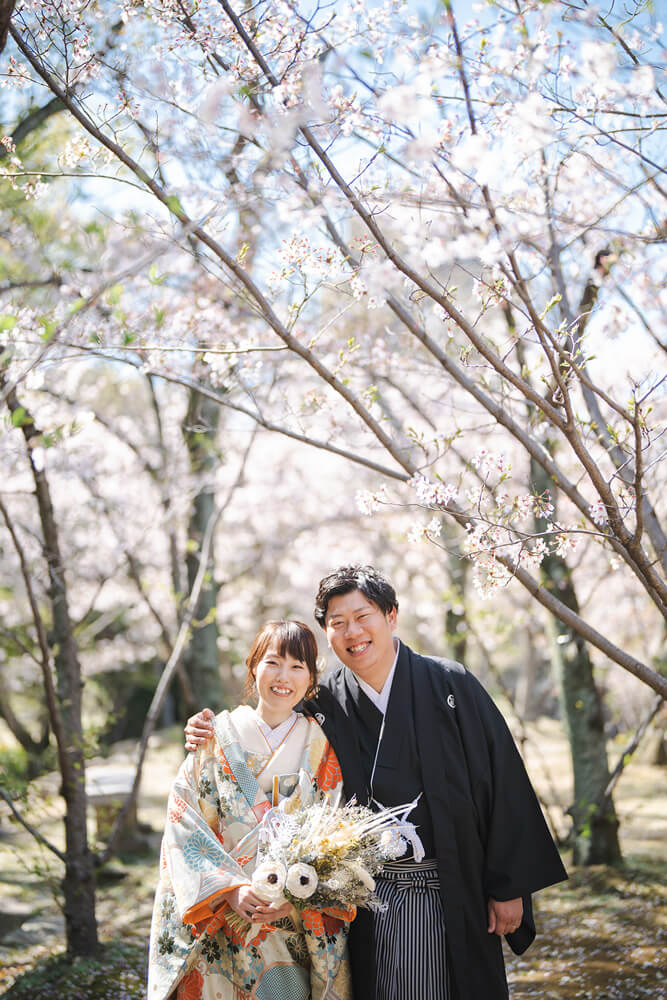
pixel 567 428
pixel 638 487
pixel 496 410
pixel 502 369
pixel 443 300
pixel 586 631
pixel 173 205
pixel 254 415
pixel 533 448
pixel 574 621
pixel 618 37
pixel 536 451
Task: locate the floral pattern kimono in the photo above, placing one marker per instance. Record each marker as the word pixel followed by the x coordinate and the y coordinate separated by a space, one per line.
pixel 215 807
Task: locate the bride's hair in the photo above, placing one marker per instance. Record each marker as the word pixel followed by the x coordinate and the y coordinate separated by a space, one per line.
pixel 290 638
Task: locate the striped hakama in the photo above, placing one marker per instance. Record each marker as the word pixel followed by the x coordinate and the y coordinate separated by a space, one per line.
pixel 410 955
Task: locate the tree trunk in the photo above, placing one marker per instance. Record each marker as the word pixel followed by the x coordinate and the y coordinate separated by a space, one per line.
pixel 455 619
pixel 526 701
pixel 201 661
pixel 6 11
pixel 595 831
pixel 79 882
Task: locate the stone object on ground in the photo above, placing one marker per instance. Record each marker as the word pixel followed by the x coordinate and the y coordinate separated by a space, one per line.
pixel 107 790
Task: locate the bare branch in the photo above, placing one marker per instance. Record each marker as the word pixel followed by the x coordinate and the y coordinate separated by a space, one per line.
pixel 45 658
pixel 33 831
pixel 629 750
pixel 163 684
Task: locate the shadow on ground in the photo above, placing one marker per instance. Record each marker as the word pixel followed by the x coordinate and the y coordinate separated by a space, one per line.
pixel 601 936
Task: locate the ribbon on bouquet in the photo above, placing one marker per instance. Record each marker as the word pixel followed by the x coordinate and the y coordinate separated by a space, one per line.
pixel 404 828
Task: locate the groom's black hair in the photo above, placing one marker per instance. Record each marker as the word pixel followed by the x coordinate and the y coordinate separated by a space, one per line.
pixel 348 578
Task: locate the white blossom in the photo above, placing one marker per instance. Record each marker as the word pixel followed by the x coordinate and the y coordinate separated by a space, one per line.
pixel 598 513
pixel 301 880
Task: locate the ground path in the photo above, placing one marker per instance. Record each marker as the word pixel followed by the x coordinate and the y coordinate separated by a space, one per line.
pixel 602 937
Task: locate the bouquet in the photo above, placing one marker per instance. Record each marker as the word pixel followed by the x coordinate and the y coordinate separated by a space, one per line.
pixel 325 857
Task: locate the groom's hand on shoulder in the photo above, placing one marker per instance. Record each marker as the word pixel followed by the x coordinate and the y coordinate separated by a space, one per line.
pixel 198 729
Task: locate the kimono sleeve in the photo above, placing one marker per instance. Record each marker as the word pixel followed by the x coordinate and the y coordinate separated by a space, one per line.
pixel 193 856
pixel 520 855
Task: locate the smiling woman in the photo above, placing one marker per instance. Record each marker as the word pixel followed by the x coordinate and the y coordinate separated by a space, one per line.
pixel 254 759
pixel 282 666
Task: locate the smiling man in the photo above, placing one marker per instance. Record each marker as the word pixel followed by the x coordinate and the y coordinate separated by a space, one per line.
pixel 410 728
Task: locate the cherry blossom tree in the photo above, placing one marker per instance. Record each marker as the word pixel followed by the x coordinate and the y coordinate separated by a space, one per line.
pixel 384 236
pixel 307 129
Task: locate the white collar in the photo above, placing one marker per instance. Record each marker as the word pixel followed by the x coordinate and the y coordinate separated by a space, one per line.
pixel 274 737
pixel 381 698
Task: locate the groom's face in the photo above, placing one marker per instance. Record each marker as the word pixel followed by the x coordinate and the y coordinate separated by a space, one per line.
pixel 360 634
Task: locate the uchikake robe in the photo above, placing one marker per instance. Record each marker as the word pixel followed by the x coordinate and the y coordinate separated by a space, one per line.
pixel 210 845
pixel 488 832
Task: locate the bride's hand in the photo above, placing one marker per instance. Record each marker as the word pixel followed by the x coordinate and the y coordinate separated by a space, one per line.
pixel 251 907
pixel 270 914
pixel 198 729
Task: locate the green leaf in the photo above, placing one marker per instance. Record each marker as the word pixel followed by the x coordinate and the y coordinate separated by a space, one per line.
pixel 174 205
pixel 93 229
pixel 20 417
pixel 77 305
pixel 49 329
pixel 550 304
pixel 154 275
pixel 7 322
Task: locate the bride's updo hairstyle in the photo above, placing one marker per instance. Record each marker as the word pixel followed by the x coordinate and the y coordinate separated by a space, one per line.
pixel 289 638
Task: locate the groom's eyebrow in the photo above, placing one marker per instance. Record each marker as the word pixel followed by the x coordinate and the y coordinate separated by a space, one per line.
pixel 355 611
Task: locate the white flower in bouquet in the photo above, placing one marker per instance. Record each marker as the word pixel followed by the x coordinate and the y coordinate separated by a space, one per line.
pixel 268 881
pixel 360 872
pixel 301 880
pixel 325 855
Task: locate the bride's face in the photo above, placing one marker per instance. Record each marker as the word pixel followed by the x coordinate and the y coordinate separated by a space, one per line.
pixel 281 681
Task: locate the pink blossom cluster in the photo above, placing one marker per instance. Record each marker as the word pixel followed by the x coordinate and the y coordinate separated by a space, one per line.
pixel 434 494
pixel 598 513
pixel 425 532
pixel 486 462
pixel 368 503
pixel 489 575
pixel 565 544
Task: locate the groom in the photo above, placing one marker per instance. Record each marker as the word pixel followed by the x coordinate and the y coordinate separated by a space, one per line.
pixel 408 727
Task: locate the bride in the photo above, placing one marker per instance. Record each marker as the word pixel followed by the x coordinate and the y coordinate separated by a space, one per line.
pixel 255 759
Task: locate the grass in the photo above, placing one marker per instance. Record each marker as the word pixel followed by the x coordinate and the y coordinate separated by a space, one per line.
pixel 117 972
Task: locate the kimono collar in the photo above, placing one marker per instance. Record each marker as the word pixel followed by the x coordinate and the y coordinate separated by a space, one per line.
pixel 381 698
pixel 274 737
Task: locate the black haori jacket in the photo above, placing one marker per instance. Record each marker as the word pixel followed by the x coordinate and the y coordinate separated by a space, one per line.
pixel 490 836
